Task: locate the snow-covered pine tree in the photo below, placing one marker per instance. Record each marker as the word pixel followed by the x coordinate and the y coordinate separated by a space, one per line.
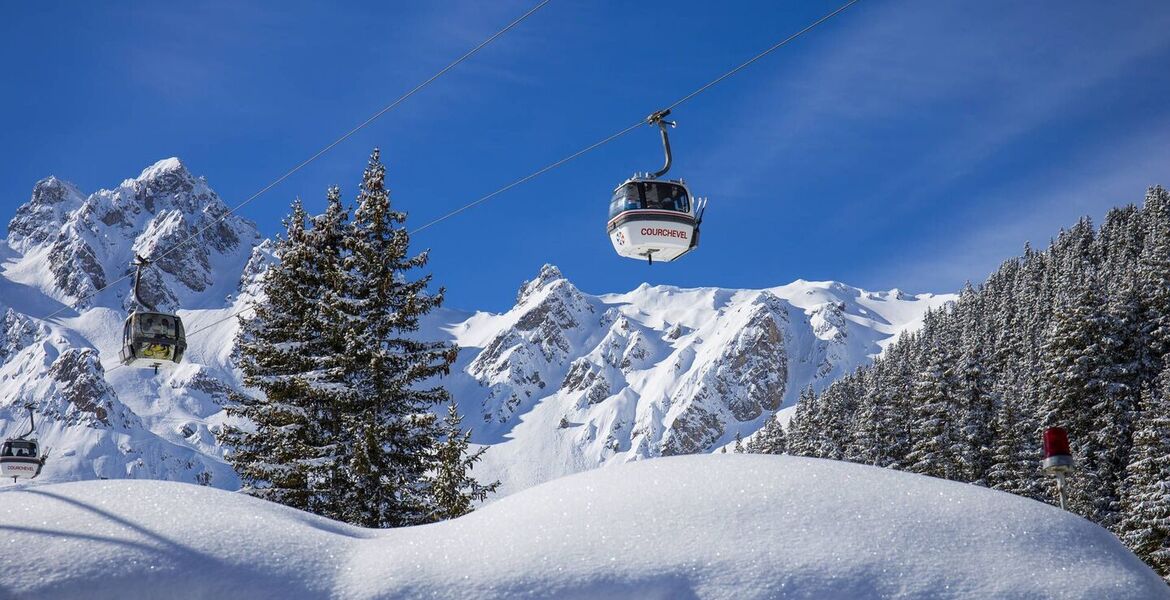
pixel 283 456
pixel 453 488
pixel 770 439
pixel 394 432
pixel 936 449
pixel 1015 456
pixel 1153 275
pixel 871 435
pixel 837 419
pixel 738 443
pixel 803 428
pixel 977 403
pixel 329 392
pixel 891 436
pixel 1145 499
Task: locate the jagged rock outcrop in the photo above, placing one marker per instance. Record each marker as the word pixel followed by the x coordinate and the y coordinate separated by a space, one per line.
pixel 41 218
pixel 16 333
pixel 521 360
pixel 589 379
pixel 748 376
pixel 79 394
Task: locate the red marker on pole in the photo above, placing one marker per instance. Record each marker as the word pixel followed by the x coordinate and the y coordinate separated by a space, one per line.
pixel 1058 461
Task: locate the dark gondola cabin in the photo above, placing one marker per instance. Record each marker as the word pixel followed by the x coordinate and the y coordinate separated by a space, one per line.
pixel 152 339
pixel 20 458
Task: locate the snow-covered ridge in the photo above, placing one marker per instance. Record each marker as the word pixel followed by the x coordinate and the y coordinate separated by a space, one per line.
pixel 566 381
pixel 563 382
pixel 735 527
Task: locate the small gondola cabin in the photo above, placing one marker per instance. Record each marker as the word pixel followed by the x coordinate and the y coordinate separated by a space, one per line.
pixel 153 339
pixel 20 458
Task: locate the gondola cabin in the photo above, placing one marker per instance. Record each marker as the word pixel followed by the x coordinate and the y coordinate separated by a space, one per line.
pixel 653 220
pixel 20 458
pixel 152 339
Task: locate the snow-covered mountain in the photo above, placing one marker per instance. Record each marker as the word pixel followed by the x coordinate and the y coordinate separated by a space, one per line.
pixel 100 421
pixel 563 382
pixel 567 381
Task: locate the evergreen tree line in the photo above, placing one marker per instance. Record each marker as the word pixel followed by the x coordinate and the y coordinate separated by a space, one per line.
pixel 1074 336
pixel 340 389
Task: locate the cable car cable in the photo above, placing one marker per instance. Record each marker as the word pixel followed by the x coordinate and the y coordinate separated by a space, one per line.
pixel 648 120
pixel 652 119
pixel 322 151
pixel 753 59
pixel 530 176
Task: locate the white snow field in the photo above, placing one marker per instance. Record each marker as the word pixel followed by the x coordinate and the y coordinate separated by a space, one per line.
pixel 710 526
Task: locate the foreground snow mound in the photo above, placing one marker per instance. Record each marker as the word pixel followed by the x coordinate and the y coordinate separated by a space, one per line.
pixel 717 526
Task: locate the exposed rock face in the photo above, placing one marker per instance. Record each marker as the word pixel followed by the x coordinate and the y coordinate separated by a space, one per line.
pixel 588 378
pixel 86 399
pixel 521 360
pixel 262 257
pixel 748 377
pixel 16 333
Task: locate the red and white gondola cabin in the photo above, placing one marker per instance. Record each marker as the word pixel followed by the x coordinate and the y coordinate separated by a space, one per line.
pixel 651 219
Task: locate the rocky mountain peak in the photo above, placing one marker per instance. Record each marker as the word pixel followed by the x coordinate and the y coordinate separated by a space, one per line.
pixel 167 184
pixel 167 167
pixel 42 216
pixel 548 274
pixel 90 240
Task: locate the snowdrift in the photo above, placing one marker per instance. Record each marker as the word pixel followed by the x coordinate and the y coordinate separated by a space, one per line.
pixel 720 526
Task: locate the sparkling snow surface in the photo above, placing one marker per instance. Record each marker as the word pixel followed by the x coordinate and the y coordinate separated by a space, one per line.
pixel 722 526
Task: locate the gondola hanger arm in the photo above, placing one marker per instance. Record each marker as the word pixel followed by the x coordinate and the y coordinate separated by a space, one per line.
pixel 659 119
pixel 139 263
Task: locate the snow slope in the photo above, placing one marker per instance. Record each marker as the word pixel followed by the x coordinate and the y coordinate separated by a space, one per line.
pixel 715 526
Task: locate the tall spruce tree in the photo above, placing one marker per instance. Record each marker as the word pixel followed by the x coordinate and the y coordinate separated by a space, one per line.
pixel 936 448
pixel 285 456
pixel 342 421
pixel 975 391
pixel 1153 276
pixel 803 428
pixel 1015 457
pixel 329 393
pixel 395 434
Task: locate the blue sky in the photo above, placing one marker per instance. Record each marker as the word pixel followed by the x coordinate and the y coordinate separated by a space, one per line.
pixel 911 144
